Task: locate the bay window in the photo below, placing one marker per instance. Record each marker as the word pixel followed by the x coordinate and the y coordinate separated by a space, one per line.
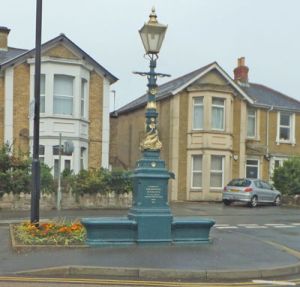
pixel 217 171
pixel 198 113
pixel 218 114
pixel 42 93
pixel 63 95
pixel 196 171
pixel 83 98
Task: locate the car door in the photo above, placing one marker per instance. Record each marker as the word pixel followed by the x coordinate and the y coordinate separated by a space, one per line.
pixel 259 192
pixel 267 191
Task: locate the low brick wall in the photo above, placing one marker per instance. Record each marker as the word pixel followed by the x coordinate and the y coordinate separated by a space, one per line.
pixel 69 201
pixel 292 200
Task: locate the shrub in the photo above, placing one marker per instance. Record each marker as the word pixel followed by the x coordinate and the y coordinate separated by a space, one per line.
pixel 47 181
pixel 120 182
pixel 287 177
pixel 100 180
pixel 15 172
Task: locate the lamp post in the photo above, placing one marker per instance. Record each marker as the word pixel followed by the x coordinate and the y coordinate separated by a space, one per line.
pixel 150 207
pixel 152 35
pixel 35 195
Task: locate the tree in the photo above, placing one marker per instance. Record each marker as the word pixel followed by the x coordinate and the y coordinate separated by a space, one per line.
pixel 286 178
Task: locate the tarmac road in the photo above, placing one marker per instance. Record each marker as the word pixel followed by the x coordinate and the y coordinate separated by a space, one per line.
pixel 256 243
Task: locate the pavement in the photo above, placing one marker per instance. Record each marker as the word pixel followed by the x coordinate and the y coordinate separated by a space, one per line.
pixel 230 255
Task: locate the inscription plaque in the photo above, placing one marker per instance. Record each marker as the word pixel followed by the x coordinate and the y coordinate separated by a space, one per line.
pixel 153 193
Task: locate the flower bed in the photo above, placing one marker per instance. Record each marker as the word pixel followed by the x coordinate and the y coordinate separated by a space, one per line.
pixel 49 233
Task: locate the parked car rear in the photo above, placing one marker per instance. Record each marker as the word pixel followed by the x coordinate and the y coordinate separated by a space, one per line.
pixel 250 191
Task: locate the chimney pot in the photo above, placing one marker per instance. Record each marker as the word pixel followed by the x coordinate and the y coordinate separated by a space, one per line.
pixel 4 31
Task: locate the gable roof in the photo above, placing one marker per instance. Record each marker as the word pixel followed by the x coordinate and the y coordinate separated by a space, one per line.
pixel 175 86
pixel 13 56
pixel 265 96
pixel 10 54
pixel 255 94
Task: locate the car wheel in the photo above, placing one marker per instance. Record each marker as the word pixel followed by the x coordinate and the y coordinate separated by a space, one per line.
pixel 277 200
pixel 227 202
pixel 253 202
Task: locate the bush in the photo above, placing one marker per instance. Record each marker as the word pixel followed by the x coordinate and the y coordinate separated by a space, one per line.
pixel 15 172
pixel 47 181
pixel 100 180
pixel 120 182
pixel 287 177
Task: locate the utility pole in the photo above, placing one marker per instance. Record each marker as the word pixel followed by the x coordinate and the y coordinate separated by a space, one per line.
pixel 35 195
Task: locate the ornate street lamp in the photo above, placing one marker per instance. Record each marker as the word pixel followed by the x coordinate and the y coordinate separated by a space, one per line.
pixel 152 35
pixel 150 208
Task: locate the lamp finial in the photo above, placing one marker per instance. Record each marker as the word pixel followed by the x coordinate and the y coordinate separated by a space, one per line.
pixel 152 16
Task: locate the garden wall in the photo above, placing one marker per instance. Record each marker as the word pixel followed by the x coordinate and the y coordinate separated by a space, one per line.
pixel 69 201
pixel 291 200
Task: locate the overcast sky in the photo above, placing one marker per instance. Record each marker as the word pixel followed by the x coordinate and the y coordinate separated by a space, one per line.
pixel 266 32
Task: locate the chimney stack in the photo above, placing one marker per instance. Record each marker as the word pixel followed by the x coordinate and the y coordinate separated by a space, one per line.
pixel 4 31
pixel 241 71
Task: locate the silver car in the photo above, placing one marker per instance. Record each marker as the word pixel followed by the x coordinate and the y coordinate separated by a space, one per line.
pixel 251 191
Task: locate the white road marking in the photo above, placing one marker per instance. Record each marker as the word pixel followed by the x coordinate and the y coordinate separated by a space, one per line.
pixel 284 226
pixel 279 283
pixel 274 224
pixel 257 227
pixel 227 227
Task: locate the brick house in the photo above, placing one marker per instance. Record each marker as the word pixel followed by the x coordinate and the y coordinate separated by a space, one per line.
pixel 74 102
pixel 213 128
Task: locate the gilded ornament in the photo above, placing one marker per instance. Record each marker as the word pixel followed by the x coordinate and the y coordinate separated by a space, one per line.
pixel 151 105
pixel 153 91
pixel 151 142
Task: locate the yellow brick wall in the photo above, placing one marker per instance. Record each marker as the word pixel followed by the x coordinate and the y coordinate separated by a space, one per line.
pixel 164 128
pixel 183 129
pixel 236 136
pixel 1 110
pixel 95 117
pixel 113 141
pixel 127 131
pixel 60 51
pixel 20 106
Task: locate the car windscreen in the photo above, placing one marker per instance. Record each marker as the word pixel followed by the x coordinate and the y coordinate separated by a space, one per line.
pixel 240 182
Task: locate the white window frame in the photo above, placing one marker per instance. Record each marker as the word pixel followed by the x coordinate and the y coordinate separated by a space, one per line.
pixel 43 93
pixel 250 165
pixel 216 106
pixel 83 98
pixel 201 105
pixel 253 117
pixel 193 171
pixel 63 96
pixel 291 127
pixel 281 160
pixel 212 171
pixel 42 153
